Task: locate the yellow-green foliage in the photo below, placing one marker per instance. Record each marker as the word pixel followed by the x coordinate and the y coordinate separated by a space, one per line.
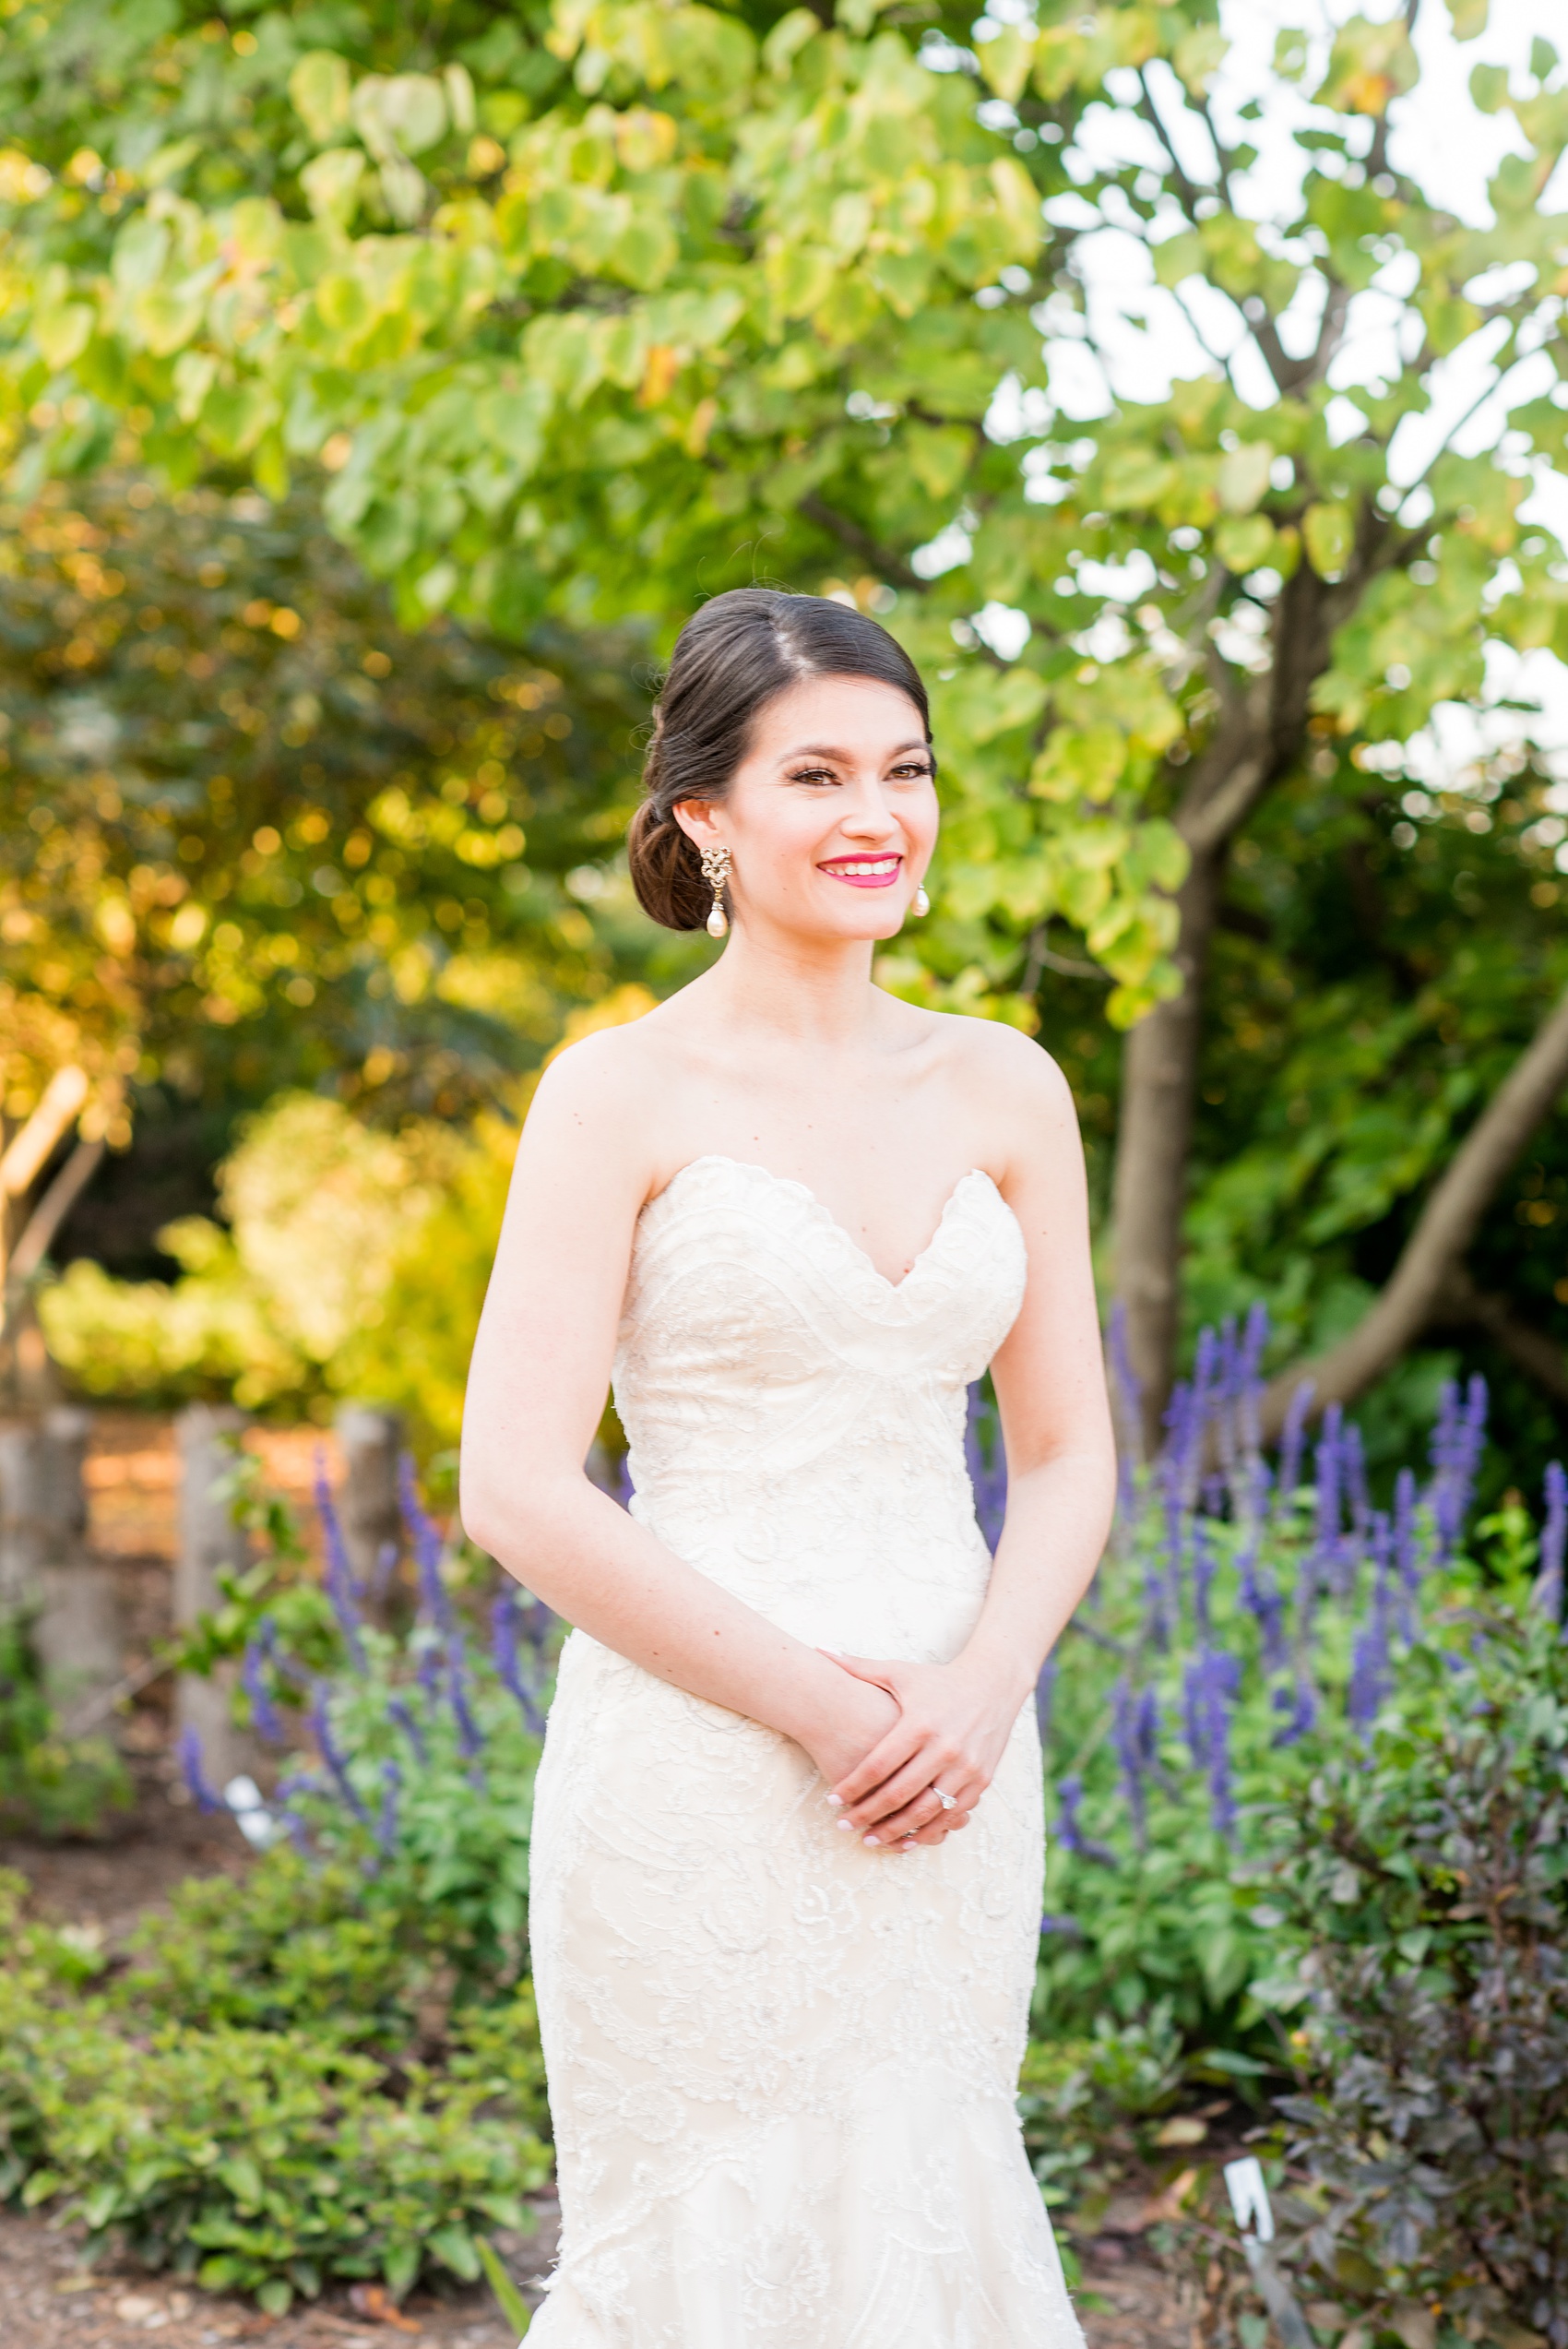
pixel 316 1206
pixel 352 1261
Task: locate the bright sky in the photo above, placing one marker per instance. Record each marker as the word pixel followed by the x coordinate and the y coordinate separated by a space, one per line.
pixel 1442 140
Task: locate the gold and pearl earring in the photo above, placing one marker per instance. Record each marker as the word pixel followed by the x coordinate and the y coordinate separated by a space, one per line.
pixel 716 872
pixel 921 903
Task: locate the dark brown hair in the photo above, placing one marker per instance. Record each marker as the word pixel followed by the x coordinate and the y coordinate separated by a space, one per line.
pixel 731 660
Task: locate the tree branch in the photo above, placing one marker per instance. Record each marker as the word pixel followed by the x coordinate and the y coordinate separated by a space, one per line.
pixel 31 1149
pixel 860 542
pixel 1539 1356
pixel 43 1224
pixel 1444 1231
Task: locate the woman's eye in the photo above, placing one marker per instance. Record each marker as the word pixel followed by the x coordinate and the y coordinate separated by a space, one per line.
pixel 813 775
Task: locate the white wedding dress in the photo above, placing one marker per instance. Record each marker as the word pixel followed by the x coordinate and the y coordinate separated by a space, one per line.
pixel 782 2067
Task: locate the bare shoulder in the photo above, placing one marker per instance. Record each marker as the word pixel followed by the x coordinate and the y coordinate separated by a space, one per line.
pixel 597 1094
pixel 1007 1069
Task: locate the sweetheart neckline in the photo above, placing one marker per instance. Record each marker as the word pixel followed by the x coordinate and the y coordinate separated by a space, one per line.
pixel 824 1213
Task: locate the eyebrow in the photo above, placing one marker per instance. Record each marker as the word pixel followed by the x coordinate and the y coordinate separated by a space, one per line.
pixel 826 750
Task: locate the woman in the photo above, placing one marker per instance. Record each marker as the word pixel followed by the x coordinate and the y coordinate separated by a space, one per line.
pixel 788 1835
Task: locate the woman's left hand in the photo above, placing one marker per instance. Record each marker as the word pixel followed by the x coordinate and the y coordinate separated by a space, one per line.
pixel 953 1727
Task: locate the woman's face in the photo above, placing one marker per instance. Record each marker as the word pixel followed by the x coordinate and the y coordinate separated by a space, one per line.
pixel 831 817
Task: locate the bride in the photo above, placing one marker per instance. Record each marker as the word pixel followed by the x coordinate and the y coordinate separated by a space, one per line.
pixel 787 1839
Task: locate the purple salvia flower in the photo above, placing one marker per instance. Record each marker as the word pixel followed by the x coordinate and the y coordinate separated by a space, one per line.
pixel 252 1680
pixel 1203 1575
pixel 504 1628
pixel 470 1737
pixel 429 1670
pixel 339 1574
pixel 1260 1594
pixel 1547 1591
pixel 385 1568
pixel 425 1541
pixel 1370 1660
pixel 1458 1440
pixel 988 1468
pixel 1293 1439
pixel 333 1756
pixel 387 1826
pixel 1069 1831
pixel 398 1711
pixel 1407 1553
pixel 1045 1689
pixel 193 1773
pixel 1250 1488
pixel 1212 1680
pixel 1299 1706
pixel 1135 1732
pixel 1355 1466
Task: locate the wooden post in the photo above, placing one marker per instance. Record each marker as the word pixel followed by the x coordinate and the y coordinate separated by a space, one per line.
pixel 46 1569
pixel 208 1540
pixel 79 1633
pixel 371 1438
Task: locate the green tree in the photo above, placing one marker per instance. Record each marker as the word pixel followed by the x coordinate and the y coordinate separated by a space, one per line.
pixel 590 312
pixel 253 835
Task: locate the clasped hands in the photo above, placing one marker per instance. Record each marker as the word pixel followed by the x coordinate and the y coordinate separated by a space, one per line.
pixel 947 1729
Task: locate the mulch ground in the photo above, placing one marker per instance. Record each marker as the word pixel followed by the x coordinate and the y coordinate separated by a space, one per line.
pixel 49 2297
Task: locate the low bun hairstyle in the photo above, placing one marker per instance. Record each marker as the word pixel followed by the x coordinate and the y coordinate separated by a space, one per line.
pixel 731 660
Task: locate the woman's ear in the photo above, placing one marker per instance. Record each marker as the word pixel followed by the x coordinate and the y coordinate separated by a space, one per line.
pixel 697 819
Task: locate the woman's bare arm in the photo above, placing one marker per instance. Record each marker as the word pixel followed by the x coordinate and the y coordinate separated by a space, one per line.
pixel 954 1719
pixel 537 1386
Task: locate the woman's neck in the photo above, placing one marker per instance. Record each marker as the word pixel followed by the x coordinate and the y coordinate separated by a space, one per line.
pixel 801 990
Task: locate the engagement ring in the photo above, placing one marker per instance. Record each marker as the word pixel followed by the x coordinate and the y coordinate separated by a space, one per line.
pixel 948 1802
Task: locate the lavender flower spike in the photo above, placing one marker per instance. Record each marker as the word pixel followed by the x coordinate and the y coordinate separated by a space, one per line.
pixel 333 1756
pixel 194 1774
pixel 426 1540
pixel 252 1680
pixel 1069 1832
pixel 1548 1592
pixel 1292 1438
pixel 509 1661
pixel 339 1574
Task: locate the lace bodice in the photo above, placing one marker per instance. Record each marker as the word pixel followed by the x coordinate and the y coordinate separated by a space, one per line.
pixel 796 1420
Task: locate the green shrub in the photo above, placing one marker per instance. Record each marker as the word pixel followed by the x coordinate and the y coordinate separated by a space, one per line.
pixel 1422 1895
pixel 263 2162
pixel 51 1786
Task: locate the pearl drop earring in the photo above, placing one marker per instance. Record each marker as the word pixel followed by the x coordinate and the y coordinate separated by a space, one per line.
pixel 921 902
pixel 716 872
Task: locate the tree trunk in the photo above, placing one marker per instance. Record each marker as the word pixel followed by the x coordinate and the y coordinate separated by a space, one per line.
pixel 1159 1082
pixel 1444 1229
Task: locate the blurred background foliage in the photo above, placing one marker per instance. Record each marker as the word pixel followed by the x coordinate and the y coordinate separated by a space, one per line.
pixel 309 871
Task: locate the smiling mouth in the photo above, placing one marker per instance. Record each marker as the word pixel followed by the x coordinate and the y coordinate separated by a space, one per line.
pixel 865 872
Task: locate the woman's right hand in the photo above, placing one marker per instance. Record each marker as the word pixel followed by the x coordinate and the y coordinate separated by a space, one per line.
pixel 859 1717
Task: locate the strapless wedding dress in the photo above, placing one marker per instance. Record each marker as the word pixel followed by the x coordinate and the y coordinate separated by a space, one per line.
pixel 782 2067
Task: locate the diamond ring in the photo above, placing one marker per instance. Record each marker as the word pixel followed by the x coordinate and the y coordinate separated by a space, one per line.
pixel 948 1802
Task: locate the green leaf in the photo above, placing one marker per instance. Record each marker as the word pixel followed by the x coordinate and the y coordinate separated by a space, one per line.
pixel 1243 476
pixel 319 90
pixel 164 319
pixel 332 183
pixel 276 2296
pixel 510 2301
pixel 243 2178
pixel 455 2247
pixel 1086 763
pixel 1329 530
pixel 62 334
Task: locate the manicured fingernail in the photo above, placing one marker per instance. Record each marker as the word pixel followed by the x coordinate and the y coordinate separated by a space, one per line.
pixel 874 1841
pixel 836 1802
pixel 844 1826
